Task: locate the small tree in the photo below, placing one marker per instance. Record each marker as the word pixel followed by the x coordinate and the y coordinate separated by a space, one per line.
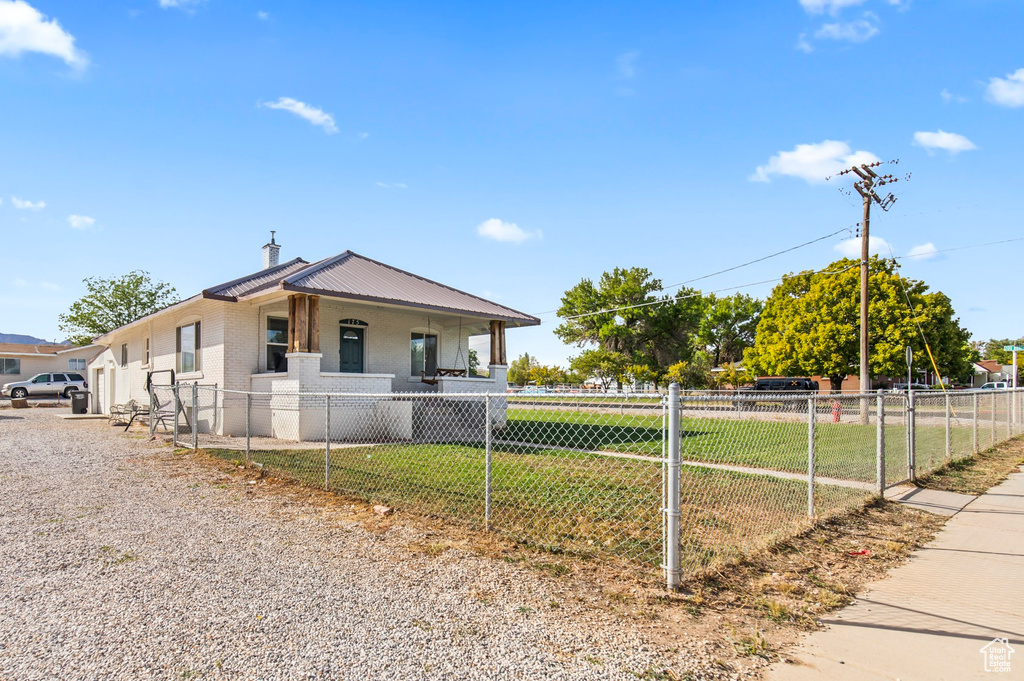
pixel 599 364
pixel 112 303
pixel 695 374
pixel 519 369
pixel 474 363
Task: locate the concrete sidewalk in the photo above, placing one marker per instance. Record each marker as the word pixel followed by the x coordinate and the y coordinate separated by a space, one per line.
pixel 930 619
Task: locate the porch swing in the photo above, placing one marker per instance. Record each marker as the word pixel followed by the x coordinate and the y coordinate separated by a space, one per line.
pixel 442 373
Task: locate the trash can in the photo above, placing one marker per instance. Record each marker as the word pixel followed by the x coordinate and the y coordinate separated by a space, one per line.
pixel 79 402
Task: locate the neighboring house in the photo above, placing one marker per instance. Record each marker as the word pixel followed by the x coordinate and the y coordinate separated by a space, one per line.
pixel 988 370
pixel 19 362
pixel 345 324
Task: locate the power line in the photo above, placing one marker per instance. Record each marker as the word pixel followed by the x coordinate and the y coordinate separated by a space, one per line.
pixel 701 293
pixel 740 266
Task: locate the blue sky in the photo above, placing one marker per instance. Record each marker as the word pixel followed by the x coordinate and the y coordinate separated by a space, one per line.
pixel 506 150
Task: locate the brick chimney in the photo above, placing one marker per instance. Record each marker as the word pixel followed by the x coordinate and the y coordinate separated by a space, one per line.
pixel 270 252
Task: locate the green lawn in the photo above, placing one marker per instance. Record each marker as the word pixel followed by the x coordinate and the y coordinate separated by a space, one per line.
pixel 564 501
pixel 843 450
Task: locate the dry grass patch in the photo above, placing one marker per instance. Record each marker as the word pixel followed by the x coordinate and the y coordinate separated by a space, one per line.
pixel 979 473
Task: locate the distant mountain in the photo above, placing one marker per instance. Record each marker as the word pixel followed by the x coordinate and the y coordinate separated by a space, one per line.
pixel 26 340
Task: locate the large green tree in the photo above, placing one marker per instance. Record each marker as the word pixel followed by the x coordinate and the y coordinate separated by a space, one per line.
pixel 111 303
pixel 811 321
pixel 601 365
pixel 728 326
pixel 519 369
pixel 626 314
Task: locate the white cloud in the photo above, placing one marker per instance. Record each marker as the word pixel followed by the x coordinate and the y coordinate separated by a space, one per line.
pixel 830 6
pixel 924 251
pixel 625 65
pixel 812 162
pixel 81 221
pixel 948 97
pixel 179 4
pixel 859 31
pixel 949 141
pixel 508 232
pixel 27 205
pixel 48 286
pixel 803 44
pixel 1007 91
pixel 393 185
pixel 851 247
pixel 20 283
pixel 302 110
pixel 263 16
pixel 24 29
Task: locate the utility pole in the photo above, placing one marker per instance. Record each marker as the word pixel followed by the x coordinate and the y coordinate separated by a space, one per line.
pixel 869 180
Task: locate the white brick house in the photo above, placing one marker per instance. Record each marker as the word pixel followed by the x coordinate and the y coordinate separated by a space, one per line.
pixel 345 324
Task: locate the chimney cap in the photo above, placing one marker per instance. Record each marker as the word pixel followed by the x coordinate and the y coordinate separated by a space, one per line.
pixel 272 242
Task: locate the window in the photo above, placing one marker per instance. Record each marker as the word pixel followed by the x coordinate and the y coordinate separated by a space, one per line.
pixel 188 343
pixel 76 377
pixel 146 356
pixel 277 344
pixel 41 378
pixel 124 355
pixel 59 378
pixel 10 366
pixel 423 349
pixel 76 365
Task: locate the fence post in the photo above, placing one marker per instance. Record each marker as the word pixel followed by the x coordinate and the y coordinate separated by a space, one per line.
pixel 974 408
pixel 487 461
pixel 1006 405
pixel 177 408
pixel 992 421
pixel 248 427
pixel 672 505
pixel 152 410
pixel 810 455
pixel 195 415
pixel 880 444
pixel 327 443
pixel 949 442
pixel 911 436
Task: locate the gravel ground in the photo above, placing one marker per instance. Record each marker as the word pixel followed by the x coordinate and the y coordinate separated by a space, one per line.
pixel 120 560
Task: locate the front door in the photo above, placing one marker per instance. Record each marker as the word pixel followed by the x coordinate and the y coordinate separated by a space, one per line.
pixel 351 350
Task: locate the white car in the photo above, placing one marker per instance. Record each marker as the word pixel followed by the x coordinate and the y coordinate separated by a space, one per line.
pixel 995 385
pixel 46 384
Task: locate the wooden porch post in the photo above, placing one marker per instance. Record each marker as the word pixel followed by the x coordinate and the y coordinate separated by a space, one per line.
pixel 501 342
pixel 495 345
pixel 301 328
pixel 291 323
pixel 314 324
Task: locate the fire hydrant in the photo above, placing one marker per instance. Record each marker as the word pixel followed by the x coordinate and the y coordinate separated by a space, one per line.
pixel 837 409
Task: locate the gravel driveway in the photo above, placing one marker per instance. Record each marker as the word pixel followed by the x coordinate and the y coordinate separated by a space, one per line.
pixel 120 560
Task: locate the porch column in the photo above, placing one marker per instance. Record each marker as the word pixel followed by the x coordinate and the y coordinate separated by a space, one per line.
pixel 498 343
pixel 313 339
pixel 297 327
pixel 291 323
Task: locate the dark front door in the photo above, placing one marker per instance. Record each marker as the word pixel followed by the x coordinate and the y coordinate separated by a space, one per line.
pixel 351 350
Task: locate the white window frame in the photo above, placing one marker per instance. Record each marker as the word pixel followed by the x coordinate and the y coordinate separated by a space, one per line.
pixel 9 363
pixel 197 354
pixel 145 356
pixel 76 364
pixel 424 331
pixel 266 344
pixel 124 355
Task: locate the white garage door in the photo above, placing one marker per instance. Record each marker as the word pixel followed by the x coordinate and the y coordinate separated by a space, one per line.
pixel 101 391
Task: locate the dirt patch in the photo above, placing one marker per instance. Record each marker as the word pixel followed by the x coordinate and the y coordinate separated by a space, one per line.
pixel 980 473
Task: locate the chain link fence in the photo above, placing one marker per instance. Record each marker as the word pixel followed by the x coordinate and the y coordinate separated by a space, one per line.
pixel 680 482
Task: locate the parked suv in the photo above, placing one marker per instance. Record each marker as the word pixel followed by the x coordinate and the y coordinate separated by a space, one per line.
pixel 46 384
pixel 778 385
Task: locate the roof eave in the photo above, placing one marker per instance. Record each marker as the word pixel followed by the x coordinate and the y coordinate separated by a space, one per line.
pixel 525 320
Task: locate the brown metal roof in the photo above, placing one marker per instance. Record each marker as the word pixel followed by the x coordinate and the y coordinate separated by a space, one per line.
pixel 30 349
pixel 352 276
pixel 251 283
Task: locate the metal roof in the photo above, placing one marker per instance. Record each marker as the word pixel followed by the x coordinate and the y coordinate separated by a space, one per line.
pixel 352 276
pixel 251 283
